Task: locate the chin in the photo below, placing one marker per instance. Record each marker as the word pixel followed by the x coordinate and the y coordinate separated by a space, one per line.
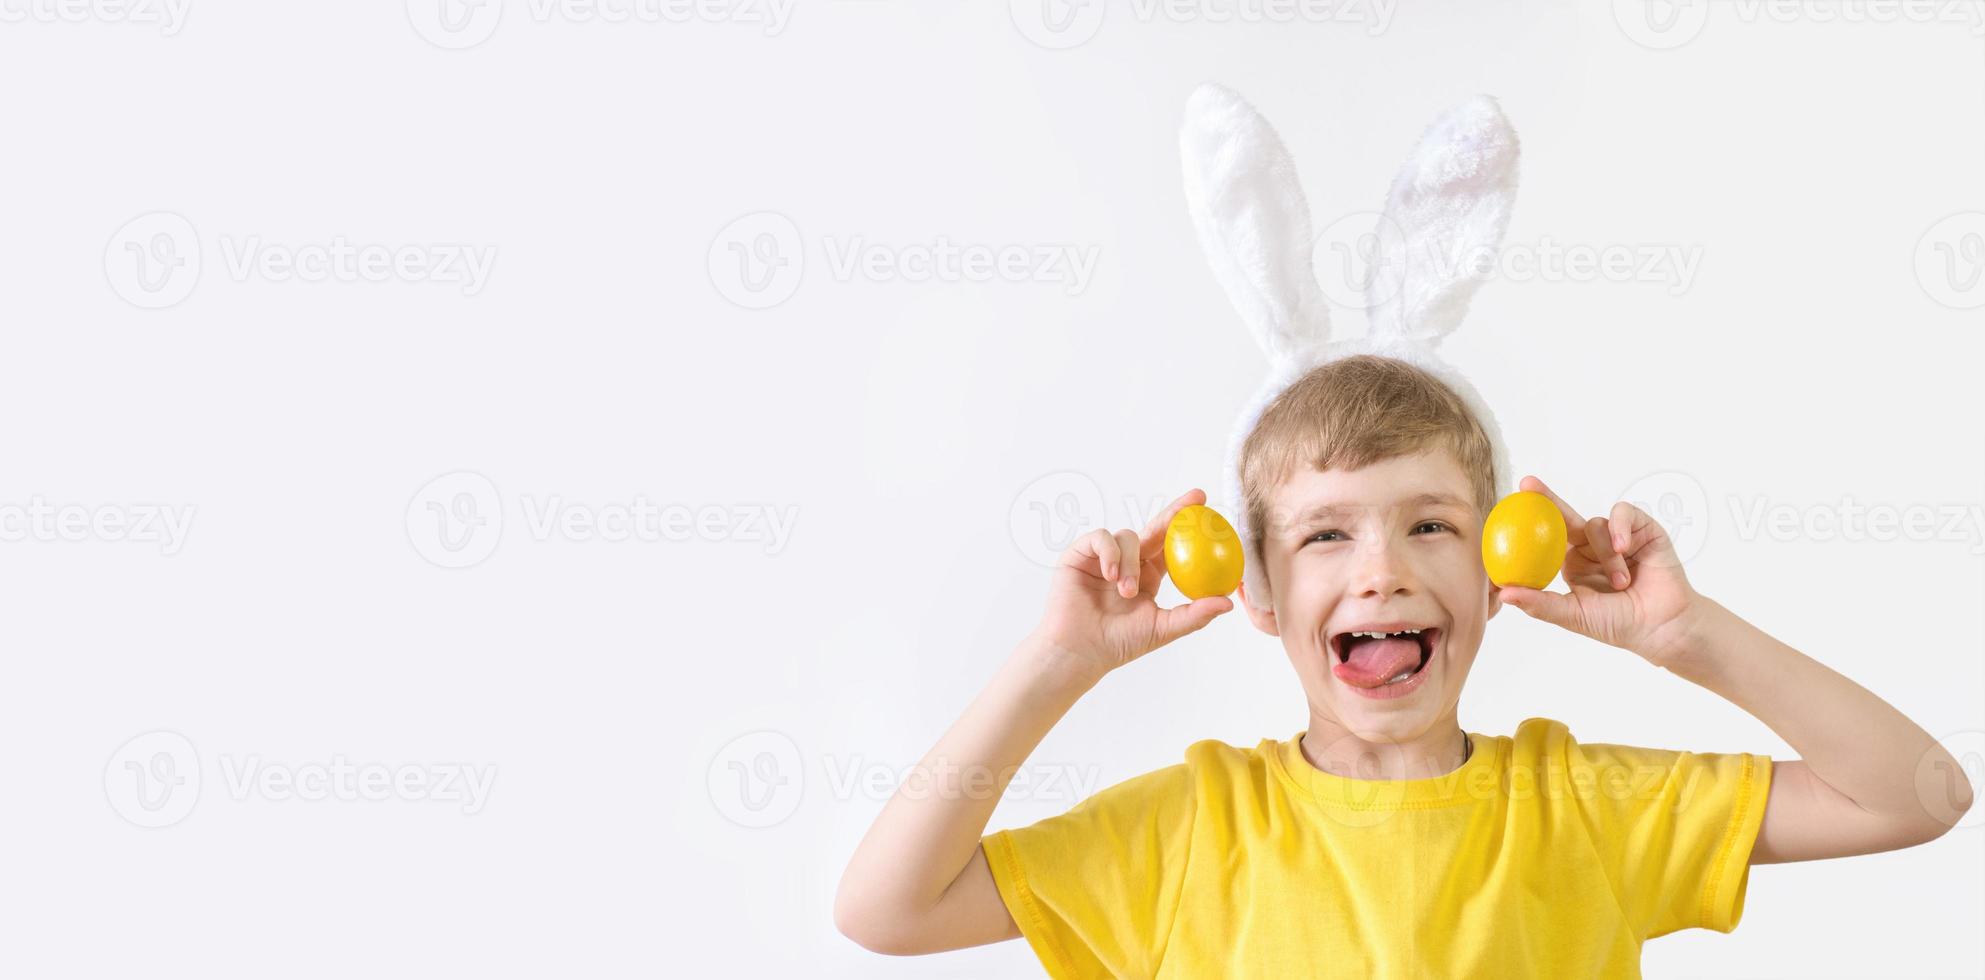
pixel 1387 727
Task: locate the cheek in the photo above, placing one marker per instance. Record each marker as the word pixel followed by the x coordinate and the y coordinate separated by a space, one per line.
pixel 1314 582
pixel 1456 577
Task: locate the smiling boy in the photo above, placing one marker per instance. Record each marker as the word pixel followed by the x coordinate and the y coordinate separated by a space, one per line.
pixel 1384 840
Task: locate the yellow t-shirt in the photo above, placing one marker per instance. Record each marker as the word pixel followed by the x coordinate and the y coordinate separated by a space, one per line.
pixel 1538 857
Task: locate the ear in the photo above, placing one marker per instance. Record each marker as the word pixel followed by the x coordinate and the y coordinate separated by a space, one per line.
pixel 1444 219
pixel 1253 223
pixel 1495 602
pixel 1263 619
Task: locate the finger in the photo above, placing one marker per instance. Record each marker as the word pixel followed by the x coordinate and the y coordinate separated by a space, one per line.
pixel 1152 576
pixel 1154 532
pixel 1612 566
pixel 1556 608
pixel 1574 524
pixel 1640 537
pixel 1191 617
pixel 1095 553
pixel 1132 565
pixel 1580 570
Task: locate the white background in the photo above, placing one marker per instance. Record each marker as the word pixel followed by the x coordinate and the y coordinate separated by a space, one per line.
pixel 903 424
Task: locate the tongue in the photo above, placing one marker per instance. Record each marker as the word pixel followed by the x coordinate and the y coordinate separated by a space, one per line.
pixel 1373 662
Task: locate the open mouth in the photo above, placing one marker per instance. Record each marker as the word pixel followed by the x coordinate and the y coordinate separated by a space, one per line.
pixel 1383 656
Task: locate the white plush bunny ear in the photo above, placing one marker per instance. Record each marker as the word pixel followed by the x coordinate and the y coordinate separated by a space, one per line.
pixel 1253 222
pixel 1444 218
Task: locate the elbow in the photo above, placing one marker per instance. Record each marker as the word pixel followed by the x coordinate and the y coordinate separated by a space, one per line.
pixel 867 934
pixel 1941 813
pixel 850 922
pixel 869 927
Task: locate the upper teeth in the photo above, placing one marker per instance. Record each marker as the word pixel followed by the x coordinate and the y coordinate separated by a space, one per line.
pixel 1377 635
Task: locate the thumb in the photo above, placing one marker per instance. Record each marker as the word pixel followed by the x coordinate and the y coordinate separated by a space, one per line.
pixel 1191 617
pixel 1556 608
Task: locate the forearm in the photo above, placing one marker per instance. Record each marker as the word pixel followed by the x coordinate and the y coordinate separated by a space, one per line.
pixel 1855 742
pixel 930 828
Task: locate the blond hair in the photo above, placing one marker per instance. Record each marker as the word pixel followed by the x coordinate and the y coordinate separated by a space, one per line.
pixel 1355 411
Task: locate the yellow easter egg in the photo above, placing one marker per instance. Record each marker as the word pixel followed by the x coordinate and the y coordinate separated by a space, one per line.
pixel 1523 541
pixel 1202 552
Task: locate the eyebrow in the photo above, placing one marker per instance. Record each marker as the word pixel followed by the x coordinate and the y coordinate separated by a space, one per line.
pixel 1326 512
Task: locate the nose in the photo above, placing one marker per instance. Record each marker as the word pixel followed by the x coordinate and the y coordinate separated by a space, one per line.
pixel 1382 571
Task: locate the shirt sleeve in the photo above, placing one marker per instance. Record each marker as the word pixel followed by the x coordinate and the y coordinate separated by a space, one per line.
pixel 1677 826
pixel 1094 890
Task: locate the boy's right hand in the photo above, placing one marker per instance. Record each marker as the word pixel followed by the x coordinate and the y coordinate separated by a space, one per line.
pixel 1102 611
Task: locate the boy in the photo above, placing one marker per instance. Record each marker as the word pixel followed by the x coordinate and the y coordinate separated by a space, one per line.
pixel 1384 840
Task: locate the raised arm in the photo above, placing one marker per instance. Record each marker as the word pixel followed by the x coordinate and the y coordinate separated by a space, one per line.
pixel 918 882
pixel 1868 779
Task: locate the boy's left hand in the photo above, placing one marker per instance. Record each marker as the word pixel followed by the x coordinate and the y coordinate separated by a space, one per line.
pixel 1627 586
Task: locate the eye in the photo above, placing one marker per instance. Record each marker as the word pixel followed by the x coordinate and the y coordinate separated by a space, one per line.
pixel 1325 536
pixel 1428 527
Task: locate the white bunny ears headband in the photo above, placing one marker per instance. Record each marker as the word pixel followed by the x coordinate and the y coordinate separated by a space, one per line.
pixel 1447 209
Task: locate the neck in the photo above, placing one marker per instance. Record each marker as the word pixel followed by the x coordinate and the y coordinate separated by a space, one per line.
pixel 1331 747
